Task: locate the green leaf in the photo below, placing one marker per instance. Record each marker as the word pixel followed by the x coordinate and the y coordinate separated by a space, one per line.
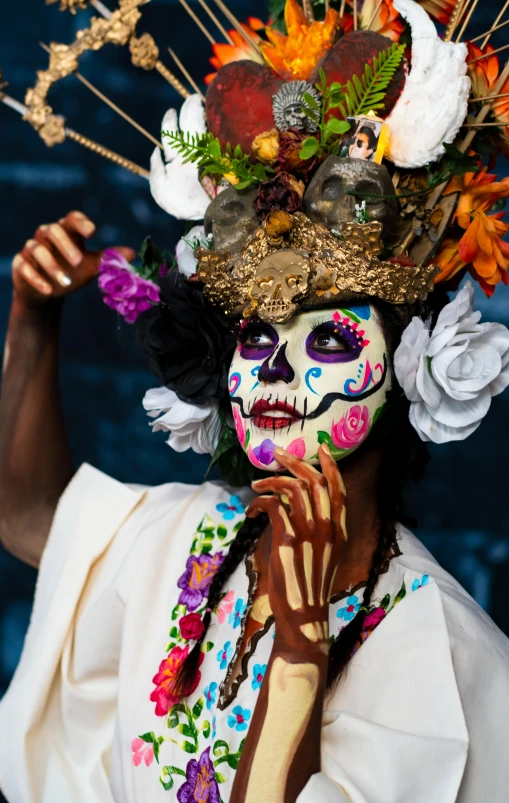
pixel 187 730
pixel 378 413
pixel 168 772
pixel 366 92
pixel 385 602
pixel 237 153
pixel 310 101
pixel 309 148
pixel 400 595
pixel 208 646
pixel 197 708
pixel 205 729
pixel 149 737
pixel 458 163
pixel 242 185
pixel 220 748
pixel 174 632
pixel 220 778
pixel 170 646
pixel 337 127
pixel 222 532
pixel 189 747
pixel 324 437
pixel 233 761
pixel 311 114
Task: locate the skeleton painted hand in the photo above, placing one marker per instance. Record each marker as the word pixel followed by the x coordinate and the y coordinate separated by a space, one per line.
pixel 176 186
pixel 307 515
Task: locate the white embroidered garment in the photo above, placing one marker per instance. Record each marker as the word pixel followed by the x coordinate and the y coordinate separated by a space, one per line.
pixel 422 714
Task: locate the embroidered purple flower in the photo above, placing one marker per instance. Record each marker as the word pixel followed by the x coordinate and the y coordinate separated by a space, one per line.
pixel 210 693
pixel 224 655
pixel 234 508
pixel 420 583
pixel 373 618
pixel 351 608
pixel 200 785
pixel 235 618
pixel 239 718
pixel 196 580
pixel 123 289
pixel 258 675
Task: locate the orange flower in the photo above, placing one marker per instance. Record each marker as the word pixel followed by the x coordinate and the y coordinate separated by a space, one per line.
pixel 296 55
pixel 239 51
pixel 441 10
pixel 386 20
pixel 483 247
pixel 484 74
pixel 449 260
pixel 479 192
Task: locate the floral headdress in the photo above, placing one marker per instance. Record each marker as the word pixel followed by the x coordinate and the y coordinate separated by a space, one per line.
pixel 329 151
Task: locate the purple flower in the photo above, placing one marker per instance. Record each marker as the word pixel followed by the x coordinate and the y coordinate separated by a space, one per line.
pixel 200 785
pixel 196 580
pixel 264 453
pixel 123 289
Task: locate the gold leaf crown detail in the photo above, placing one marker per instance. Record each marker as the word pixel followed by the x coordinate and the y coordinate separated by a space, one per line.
pixel 291 263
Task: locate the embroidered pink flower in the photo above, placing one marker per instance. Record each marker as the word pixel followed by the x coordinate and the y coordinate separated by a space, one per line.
pixel 352 428
pixel 191 626
pixel 373 618
pixel 165 695
pixel 225 607
pixel 297 447
pixel 142 752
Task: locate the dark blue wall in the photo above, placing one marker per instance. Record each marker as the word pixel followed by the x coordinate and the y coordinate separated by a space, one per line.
pixel 461 505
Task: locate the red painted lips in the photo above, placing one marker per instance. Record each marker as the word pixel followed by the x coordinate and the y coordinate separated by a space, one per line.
pixel 264 414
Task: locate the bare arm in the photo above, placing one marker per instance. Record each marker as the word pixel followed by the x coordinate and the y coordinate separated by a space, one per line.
pixel 35 461
pixel 306 511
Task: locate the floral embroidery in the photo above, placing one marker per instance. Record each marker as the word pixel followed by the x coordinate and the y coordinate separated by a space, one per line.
pixel 142 751
pixel 191 626
pixel 235 617
pixel 224 655
pixel 164 695
pixel 234 508
pixel 239 718
pixel 225 607
pixel 348 612
pixel 258 675
pixel 420 583
pixel 214 727
pixel 200 785
pixel 210 693
pixel 196 580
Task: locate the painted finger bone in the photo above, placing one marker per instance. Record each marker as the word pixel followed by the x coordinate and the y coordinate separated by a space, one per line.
pixel 231 219
pixel 340 184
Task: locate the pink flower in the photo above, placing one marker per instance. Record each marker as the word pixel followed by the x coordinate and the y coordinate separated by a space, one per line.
pixel 225 607
pixel 142 751
pixel 165 694
pixel 373 619
pixel 191 626
pixel 123 289
pixel 352 428
pixel 297 447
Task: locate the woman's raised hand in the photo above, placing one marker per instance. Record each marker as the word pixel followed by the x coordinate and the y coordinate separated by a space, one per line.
pixel 55 262
pixel 307 514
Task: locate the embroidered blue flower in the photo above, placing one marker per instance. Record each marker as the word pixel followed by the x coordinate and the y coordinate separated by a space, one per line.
pixel 258 675
pixel 235 618
pixel 351 608
pixel 420 583
pixel 214 727
pixel 234 508
pixel 210 695
pixel 224 655
pixel 239 718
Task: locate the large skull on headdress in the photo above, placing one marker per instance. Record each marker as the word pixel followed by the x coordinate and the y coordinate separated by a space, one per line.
pixel 339 184
pixel 231 218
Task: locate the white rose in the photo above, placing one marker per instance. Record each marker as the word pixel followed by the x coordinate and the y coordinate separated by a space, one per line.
pixel 192 426
pixel 451 374
pixel 184 252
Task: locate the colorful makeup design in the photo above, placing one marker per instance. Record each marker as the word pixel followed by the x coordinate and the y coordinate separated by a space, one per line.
pixel 322 377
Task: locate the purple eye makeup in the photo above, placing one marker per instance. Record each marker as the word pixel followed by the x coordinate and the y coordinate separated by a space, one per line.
pixel 337 340
pixel 257 340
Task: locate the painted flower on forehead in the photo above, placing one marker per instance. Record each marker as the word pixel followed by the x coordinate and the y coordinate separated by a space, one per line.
pixel 165 694
pixel 200 785
pixel 352 428
pixel 123 289
pixel 196 580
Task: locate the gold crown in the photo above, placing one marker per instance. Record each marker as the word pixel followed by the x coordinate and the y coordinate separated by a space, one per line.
pixel 291 263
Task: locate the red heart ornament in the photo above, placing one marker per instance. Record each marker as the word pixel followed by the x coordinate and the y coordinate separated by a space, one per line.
pixel 239 99
pixel 239 103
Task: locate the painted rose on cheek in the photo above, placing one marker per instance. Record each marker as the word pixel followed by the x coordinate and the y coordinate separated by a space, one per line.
pixel 321 377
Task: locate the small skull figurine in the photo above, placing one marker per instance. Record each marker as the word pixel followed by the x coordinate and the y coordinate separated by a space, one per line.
pixel 287 106
pixel 339 184
pixel 231 218
pixel 281 279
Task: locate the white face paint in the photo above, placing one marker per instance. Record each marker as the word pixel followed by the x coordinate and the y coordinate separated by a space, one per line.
pixel 321 377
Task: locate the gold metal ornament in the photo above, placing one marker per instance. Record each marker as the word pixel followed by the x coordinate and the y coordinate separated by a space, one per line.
pixel 69 5
pixel 305 268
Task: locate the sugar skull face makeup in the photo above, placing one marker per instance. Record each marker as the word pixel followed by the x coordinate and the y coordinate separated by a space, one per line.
pixel 321 377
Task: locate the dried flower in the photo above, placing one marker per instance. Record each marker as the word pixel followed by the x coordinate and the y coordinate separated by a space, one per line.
pixel 278 223
pixel 290 144
pixel 281 192
pixel 123 289
pixel 265 147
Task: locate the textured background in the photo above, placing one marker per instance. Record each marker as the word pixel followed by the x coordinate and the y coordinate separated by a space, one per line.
pixel 460 505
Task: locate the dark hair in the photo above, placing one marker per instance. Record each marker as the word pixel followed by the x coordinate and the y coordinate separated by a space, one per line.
pixel 403 458
pixel 370 134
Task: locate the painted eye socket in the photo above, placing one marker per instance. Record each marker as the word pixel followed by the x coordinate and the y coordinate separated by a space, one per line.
pixel 257 340
pixel 333 342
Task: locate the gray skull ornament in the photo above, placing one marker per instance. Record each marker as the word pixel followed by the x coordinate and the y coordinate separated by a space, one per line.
pixel 332 194
pixel 281 279
pixel 231 218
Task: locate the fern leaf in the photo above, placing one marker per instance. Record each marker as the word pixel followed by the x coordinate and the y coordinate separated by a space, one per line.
pixel 366 93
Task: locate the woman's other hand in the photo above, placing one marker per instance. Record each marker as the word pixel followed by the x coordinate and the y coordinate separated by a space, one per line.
pixel 56 262
pixel 307 514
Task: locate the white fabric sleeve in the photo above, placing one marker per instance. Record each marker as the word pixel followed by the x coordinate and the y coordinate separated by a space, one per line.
pixel 320 788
